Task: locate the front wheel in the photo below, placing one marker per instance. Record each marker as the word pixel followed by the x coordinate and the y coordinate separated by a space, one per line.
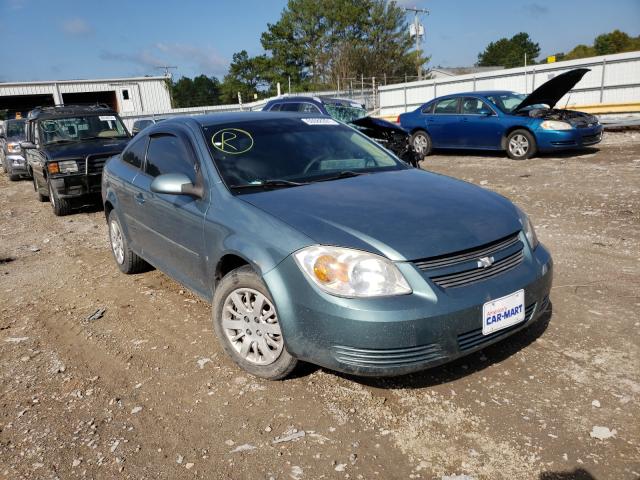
pixel 247 325
pixel 521 145
pixel 421 142
pixel 61 206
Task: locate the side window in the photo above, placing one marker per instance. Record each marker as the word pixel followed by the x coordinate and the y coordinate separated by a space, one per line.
pixel 308 108
pixel 168 154
pixel 428 108
pixel 449 105
pixel 134 154
pixel 290 107
pixel 474 106
pixel 275 108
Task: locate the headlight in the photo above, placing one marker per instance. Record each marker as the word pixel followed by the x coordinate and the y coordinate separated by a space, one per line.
pixel 68 166
pixel 351 273
pixel 555 125
pixel 527 228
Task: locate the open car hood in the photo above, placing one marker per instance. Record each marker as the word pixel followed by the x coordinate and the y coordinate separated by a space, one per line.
pixel 379 125
pixel 550 93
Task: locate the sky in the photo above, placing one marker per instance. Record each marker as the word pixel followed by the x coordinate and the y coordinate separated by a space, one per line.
pixel 69 39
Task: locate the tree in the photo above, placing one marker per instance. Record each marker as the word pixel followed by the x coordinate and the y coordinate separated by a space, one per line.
pixel 246 77
pixel 197 92
pixel 509 52
pixel 315 43
pixel 615 42
pixel 580 51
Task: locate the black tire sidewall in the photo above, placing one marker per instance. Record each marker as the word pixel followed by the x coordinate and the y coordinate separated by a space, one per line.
pixel 532 144
pixel 246 277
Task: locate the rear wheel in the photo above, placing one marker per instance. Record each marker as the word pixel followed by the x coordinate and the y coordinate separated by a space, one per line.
pixel 247 325
pixel 41 197
pixel 61 206
pixel 421 142
pixel 126 259
pixel 521 145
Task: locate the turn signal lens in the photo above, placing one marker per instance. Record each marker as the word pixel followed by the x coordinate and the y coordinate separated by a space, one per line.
pixel 53 167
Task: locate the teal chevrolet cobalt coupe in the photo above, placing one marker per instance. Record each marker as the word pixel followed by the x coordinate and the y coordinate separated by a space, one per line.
pixel 296 229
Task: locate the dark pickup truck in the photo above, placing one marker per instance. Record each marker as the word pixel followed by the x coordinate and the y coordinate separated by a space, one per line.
pixel 66 148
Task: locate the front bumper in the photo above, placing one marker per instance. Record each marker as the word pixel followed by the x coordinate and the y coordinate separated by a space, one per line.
pixel 568 139
pixel 73 186
pixel 16 165
pixel 399 335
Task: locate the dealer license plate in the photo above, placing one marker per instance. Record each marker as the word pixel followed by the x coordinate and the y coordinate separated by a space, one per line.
pixel 503 312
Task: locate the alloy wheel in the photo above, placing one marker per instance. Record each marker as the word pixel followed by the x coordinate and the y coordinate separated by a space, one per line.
pixel 251 325
pixel 420 144
pixel 117 243
pixel 519 145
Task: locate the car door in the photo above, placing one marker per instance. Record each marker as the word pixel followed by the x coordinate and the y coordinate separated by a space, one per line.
pixel 127 191
pixel 442 124
pixel 479 124
pixel 172 225
pixel 34 157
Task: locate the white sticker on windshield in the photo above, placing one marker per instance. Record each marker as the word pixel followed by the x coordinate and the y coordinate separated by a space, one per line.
pixel 319 121
pixel 110 118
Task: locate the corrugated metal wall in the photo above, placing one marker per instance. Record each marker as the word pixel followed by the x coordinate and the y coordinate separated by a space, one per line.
pixel 145 94
pixel 612 79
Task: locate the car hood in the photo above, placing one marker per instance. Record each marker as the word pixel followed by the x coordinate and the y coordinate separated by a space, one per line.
pixel 378 125
pixel 550 93
pixel 97 146
pixel 404 215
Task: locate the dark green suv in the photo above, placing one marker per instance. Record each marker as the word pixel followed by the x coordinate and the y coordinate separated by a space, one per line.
pixel 66 148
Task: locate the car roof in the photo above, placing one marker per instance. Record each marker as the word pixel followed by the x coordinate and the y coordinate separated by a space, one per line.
pixel 479 93
pixel 60 111
pixel 233 117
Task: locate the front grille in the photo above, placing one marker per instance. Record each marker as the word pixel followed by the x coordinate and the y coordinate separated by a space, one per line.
pixel 443 272
pixel 474 338
pixel 396 357
pixel 95 164
pixel 477 274
pixel 473 254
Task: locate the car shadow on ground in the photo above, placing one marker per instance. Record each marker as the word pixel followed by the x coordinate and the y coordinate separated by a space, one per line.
pixel 464 366
pixel 577 474
pixel 576 153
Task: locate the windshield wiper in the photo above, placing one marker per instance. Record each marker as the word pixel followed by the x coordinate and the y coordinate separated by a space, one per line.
pixel 270 184
pixel 342 174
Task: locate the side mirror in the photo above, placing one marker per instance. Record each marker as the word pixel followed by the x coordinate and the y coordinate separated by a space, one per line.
pixel 175 184
pixel 27 145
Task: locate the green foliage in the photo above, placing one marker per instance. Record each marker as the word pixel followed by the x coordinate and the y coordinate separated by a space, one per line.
pixel 606 44
pixel 509 52
pixel 197 92
pixel 317 42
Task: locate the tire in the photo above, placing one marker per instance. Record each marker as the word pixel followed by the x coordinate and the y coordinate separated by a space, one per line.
pixel 41 197
pixel 61 206
pixel 260 353
pixel 128 262
pixel 422 143
pixel 520 145
pixel 14 178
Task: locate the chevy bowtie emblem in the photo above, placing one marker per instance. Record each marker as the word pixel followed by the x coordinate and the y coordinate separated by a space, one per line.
pixel 485 262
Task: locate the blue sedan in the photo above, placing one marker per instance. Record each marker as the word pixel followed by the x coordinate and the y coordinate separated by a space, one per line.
pixel 500 120
pixel 293 227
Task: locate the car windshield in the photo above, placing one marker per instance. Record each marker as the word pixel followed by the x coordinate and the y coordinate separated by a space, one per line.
pixel 82 127
pixel 346 113
pixel 288 151
pixel 16 129
pixel 506 102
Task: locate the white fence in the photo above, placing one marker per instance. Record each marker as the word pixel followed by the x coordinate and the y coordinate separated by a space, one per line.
pixel 613 79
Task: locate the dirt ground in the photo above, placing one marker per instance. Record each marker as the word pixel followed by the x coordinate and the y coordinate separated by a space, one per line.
pixel 146 392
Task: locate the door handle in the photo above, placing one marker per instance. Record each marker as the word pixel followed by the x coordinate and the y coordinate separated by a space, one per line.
pixel 139 198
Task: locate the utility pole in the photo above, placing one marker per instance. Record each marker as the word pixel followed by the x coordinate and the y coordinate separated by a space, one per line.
pixel 418 31
pixel 166 69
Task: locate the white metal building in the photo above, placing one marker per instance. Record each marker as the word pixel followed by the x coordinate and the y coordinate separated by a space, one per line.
pixel 139 94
